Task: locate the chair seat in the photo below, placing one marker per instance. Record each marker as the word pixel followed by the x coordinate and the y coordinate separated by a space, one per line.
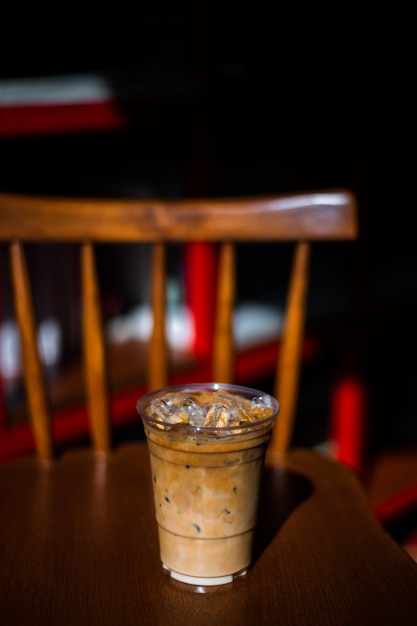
pixel 67 562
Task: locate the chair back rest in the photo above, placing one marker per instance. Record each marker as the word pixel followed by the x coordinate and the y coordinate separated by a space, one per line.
pixel 301 218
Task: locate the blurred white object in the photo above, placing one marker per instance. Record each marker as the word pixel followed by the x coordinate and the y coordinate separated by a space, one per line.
pixel 10 358
pixel 137 324
pixel 253 323
pixel 49 339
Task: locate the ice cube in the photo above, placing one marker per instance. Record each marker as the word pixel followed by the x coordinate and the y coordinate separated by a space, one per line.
pixel 217 416
pixel 162 409
pixel 194 412
pixel 261 406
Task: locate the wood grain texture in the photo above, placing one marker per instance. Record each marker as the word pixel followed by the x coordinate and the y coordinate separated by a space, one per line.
pixel 316 216
pixel 88 552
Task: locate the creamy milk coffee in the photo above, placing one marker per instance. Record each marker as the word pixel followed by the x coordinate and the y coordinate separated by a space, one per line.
pixel 207 446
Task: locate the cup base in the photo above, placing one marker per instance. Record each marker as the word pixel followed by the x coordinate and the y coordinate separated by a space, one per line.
pixel 202 581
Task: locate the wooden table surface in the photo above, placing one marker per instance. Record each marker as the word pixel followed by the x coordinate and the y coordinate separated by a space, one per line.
pixel 81 547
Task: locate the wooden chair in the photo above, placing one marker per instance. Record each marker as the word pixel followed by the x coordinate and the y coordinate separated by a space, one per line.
pixel 77 531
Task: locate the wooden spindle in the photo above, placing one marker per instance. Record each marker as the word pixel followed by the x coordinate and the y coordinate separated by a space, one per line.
pixel 94 353
pixel 223 348
pixel 289 359
pixel 34 374
pixel 158 347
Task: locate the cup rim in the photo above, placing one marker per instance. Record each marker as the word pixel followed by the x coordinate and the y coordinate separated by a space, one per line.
pixel 211 386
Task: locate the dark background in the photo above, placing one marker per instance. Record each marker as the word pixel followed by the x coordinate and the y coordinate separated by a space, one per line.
pixel 267 99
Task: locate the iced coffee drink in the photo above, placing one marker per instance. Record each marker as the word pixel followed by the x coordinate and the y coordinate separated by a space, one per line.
pixel 207 446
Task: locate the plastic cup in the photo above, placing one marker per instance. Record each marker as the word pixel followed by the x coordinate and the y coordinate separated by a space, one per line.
pixel 206 483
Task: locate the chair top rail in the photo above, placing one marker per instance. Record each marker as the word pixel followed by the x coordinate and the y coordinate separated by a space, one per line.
pixel 316 215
